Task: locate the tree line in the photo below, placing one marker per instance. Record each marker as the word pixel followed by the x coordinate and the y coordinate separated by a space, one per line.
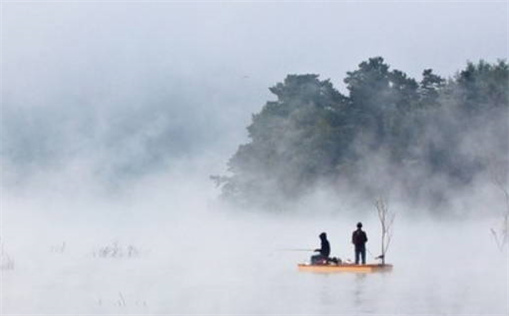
pixel 389 130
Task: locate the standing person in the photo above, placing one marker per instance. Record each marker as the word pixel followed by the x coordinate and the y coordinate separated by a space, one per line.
pixel 359 239
pixel 324 251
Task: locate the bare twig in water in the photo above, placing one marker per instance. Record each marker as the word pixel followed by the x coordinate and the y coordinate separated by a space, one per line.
pixel 386 220
pixel 117 251
pixel 6 262
pixel 498 174
pixel 121 302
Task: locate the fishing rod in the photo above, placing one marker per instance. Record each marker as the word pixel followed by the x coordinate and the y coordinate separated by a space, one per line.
pixel 376 258
pixel 296 249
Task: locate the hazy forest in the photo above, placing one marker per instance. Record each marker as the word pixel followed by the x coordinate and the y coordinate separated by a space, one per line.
pixel 423 139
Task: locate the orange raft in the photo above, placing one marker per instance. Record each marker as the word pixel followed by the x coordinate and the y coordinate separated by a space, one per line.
pixel 345 267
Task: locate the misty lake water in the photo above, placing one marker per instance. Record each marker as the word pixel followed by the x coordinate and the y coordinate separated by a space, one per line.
pixel 210 263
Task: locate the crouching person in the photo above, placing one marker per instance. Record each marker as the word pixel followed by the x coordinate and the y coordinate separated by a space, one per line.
pixel 324 251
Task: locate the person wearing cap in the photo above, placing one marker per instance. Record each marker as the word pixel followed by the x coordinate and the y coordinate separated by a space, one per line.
pixel 359 239
pixel 324 251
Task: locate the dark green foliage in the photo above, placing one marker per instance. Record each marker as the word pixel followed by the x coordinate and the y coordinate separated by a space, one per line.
pixel 382 102
pixel 296 140
pixel 312 134
pixel 430 87
pixel 483 87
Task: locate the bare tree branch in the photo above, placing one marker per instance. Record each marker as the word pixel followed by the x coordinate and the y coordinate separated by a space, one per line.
pixel 498 174
pixel 386 221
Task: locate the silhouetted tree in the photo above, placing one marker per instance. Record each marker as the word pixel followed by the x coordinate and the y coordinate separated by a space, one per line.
pixel 311 133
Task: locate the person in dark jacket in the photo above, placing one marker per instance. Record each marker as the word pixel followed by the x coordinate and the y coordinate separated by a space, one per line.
pixel 359 239
pixel 324 251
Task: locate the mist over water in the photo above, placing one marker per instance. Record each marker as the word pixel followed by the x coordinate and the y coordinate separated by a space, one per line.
pixel 177 252
pixel 114 116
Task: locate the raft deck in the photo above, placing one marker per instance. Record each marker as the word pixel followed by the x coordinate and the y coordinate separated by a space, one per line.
pixel 356 268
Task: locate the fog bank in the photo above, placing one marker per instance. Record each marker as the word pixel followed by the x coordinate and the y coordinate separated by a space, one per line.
pixel 165 250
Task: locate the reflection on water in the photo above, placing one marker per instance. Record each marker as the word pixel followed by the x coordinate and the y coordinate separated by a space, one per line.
pixel 328 293
pixel 409 290
pixel 359 293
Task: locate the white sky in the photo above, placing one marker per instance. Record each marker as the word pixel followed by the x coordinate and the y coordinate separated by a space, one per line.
pixel 276 38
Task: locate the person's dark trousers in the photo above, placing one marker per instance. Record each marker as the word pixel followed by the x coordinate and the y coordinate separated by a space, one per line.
pixel 317 259
pixel 360 252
